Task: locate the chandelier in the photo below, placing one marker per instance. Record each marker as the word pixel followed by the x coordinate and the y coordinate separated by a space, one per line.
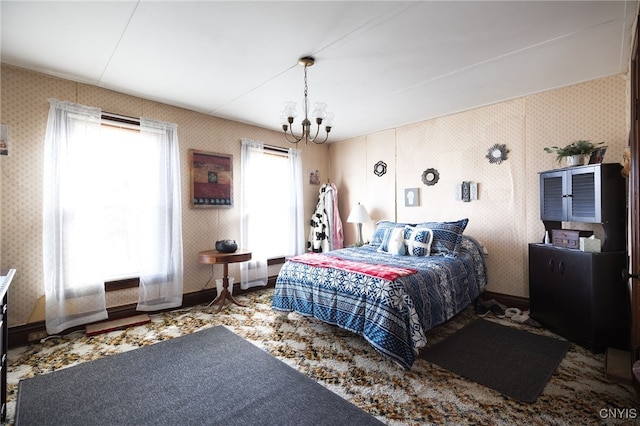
pixel 319 114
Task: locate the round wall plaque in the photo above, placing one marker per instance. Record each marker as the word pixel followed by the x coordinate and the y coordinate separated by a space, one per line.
pixel 430 177
pixel 497 153
pixel 380 168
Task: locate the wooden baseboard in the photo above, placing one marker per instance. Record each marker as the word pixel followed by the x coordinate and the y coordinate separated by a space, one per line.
pixel 509 301
pixel 24 334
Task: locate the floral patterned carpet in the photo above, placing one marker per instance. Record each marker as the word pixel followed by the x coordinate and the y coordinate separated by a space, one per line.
pixel 577 393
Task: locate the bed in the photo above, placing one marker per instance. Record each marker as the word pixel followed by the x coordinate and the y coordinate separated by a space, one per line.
pixel 408 280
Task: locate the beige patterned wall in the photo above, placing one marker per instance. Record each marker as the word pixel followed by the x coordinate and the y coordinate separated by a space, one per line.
pixel 25 107
pixel 505 218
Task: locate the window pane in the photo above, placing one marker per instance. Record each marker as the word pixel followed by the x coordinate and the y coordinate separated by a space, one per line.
pixel 112 180
pixel 271 193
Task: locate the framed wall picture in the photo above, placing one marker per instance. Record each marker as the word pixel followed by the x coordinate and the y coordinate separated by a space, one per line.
pixel 411 197
pixel 597 156
pixel 4 139
pixel 211 179
pixel 314 176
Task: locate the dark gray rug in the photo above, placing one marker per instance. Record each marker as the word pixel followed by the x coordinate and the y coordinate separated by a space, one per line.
pixel 209 377
pixel 516 363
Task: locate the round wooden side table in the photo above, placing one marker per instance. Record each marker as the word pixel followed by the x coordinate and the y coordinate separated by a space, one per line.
pixel 214 257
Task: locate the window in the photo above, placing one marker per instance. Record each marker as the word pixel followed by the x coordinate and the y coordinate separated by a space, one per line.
pixel 272 207
pixel 272 189
pixel 120 185
pixel 111 211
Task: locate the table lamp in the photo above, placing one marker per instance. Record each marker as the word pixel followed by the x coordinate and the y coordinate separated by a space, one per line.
pixel 359 215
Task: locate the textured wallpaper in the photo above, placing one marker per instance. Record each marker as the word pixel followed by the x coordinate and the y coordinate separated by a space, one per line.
pixel 505 218
pixel 25 108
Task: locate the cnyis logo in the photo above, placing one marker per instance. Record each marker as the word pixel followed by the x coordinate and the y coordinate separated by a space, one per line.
pixel 618 413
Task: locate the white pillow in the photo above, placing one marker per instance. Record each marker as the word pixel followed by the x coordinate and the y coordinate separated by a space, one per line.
pixel 418 240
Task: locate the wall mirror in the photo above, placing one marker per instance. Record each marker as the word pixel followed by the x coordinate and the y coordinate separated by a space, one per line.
pixel 380 168
pixel 497 153
pixel 430 177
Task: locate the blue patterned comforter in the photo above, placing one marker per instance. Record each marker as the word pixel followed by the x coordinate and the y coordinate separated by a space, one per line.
pixel 392 315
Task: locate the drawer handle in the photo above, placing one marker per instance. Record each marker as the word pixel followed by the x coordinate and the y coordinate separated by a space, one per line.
pixel 551 265
pixel 561 267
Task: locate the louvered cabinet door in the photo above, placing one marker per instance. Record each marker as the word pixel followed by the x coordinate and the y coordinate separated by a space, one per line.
pixel 583 195
pixel 553 203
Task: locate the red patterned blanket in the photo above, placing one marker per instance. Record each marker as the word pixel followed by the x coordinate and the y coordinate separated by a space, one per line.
pixel 373 270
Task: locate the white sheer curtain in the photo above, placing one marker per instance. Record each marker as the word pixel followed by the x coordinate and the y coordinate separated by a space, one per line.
pixel 254 272
pixel 296 204
pixel 72 255
pixel 112 210
pixel 160 211
pixel 272 222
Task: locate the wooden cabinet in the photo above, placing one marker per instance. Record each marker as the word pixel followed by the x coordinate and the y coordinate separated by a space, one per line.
pixel 580 296
pixel 594 194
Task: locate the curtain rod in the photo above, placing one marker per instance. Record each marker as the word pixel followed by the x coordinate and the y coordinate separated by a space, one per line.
pixel 275 148
pixel 120 118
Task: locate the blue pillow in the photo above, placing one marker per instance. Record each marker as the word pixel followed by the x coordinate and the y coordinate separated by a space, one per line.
pixel 393 242
pixel 447 236
pixel 383 225
pixel 418 240
pixel 378 233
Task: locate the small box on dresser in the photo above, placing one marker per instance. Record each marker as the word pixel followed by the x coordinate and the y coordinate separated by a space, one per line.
pixel 568 238
pixel 591 245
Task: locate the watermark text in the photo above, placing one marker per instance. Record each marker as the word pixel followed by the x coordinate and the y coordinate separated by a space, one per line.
pixel 618 413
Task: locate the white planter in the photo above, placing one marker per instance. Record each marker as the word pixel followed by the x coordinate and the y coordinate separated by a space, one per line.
pixel 575 160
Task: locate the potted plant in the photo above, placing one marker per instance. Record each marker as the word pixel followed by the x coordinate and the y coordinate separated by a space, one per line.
pixel 575 152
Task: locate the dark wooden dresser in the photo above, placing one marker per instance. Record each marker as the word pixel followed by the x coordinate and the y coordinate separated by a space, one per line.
pixel 581 295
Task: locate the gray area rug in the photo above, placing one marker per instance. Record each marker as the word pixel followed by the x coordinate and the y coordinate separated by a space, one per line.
pixel 515 363
pixel 208 377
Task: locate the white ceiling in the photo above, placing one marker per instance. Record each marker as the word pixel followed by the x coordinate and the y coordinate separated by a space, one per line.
pixel 379 64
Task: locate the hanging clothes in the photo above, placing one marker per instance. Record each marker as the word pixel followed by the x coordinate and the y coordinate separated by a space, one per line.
pixel 326 226
pixel 337 236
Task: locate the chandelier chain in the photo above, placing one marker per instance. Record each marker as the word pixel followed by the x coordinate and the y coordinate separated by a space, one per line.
pixel 306 89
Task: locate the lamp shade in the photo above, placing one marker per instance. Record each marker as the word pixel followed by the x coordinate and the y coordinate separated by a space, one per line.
pixel 359 215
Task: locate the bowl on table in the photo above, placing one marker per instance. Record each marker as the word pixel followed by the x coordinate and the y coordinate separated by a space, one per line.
pixel 226 246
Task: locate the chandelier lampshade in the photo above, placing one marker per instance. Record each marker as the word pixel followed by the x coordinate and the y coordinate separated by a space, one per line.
pixel 319 114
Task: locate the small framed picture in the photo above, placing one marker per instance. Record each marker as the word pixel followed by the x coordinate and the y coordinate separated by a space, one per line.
pixel 211 179
pixel 4 139
pixel 314 176
pixel 411 197
pixel 597 156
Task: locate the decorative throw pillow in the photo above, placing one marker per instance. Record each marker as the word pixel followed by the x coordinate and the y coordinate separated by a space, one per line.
pixel 378 234
pixel 418 240
pixel 393 242
pixel 381 227
pixel 447 236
